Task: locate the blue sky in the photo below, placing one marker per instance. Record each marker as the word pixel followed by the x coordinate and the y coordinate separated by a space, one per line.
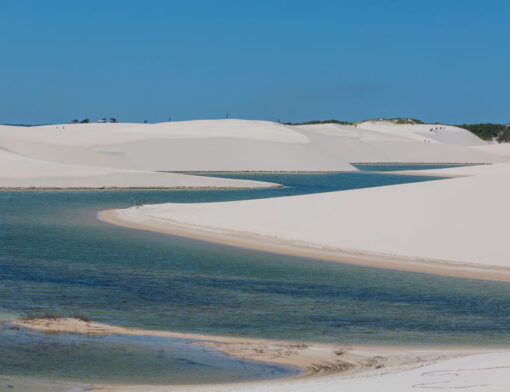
pixel 445 61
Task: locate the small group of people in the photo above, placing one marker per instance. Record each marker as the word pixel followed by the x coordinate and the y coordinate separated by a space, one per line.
pixel 436 129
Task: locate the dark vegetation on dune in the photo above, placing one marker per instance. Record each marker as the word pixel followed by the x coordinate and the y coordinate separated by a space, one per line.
pixel 396 120
pixel 485 131
pixel 489 131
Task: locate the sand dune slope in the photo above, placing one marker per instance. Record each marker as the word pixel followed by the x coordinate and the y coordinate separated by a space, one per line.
pixel 20 172
pixel 217 145
pixel 388 142
pixel 432 133
pixel 208 145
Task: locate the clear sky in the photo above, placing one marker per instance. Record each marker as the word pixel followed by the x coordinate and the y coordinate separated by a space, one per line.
pixel 446 61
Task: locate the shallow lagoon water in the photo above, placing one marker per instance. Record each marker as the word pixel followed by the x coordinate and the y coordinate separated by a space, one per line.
pixel 55 256
pixel 125 359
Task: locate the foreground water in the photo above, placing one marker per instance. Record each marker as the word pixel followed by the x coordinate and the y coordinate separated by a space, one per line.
pixel 55 256
pixel 125 359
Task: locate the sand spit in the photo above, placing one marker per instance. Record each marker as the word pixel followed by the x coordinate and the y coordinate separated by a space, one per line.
pixel 338 366
pixel 453 226
pixel 300 249
pixel 314 359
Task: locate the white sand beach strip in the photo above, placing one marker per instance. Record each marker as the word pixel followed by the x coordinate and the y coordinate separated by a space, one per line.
pixel 454 226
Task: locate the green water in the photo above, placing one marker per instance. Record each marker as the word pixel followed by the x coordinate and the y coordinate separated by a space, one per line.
pixel 55 256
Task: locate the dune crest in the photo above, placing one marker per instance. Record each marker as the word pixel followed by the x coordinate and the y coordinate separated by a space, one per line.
pixel 123 155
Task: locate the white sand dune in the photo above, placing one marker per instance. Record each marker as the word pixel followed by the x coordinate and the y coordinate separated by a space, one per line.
pixel 433 133
pixel 219 145
pixel 387 142
pixel 460 220
pixel 110 133
pixel 20 172
pixel 498 149
pixel 214 145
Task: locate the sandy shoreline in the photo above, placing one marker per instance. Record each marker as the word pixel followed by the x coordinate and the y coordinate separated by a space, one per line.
pixel 322 363
pixel 453 226
pixel 269 244
pixel 315 359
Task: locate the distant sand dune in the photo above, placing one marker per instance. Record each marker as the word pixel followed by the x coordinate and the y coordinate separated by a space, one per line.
pixel 121 151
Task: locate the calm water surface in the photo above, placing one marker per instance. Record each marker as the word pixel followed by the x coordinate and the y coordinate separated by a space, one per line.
pixel 125 359
pixel 56 256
